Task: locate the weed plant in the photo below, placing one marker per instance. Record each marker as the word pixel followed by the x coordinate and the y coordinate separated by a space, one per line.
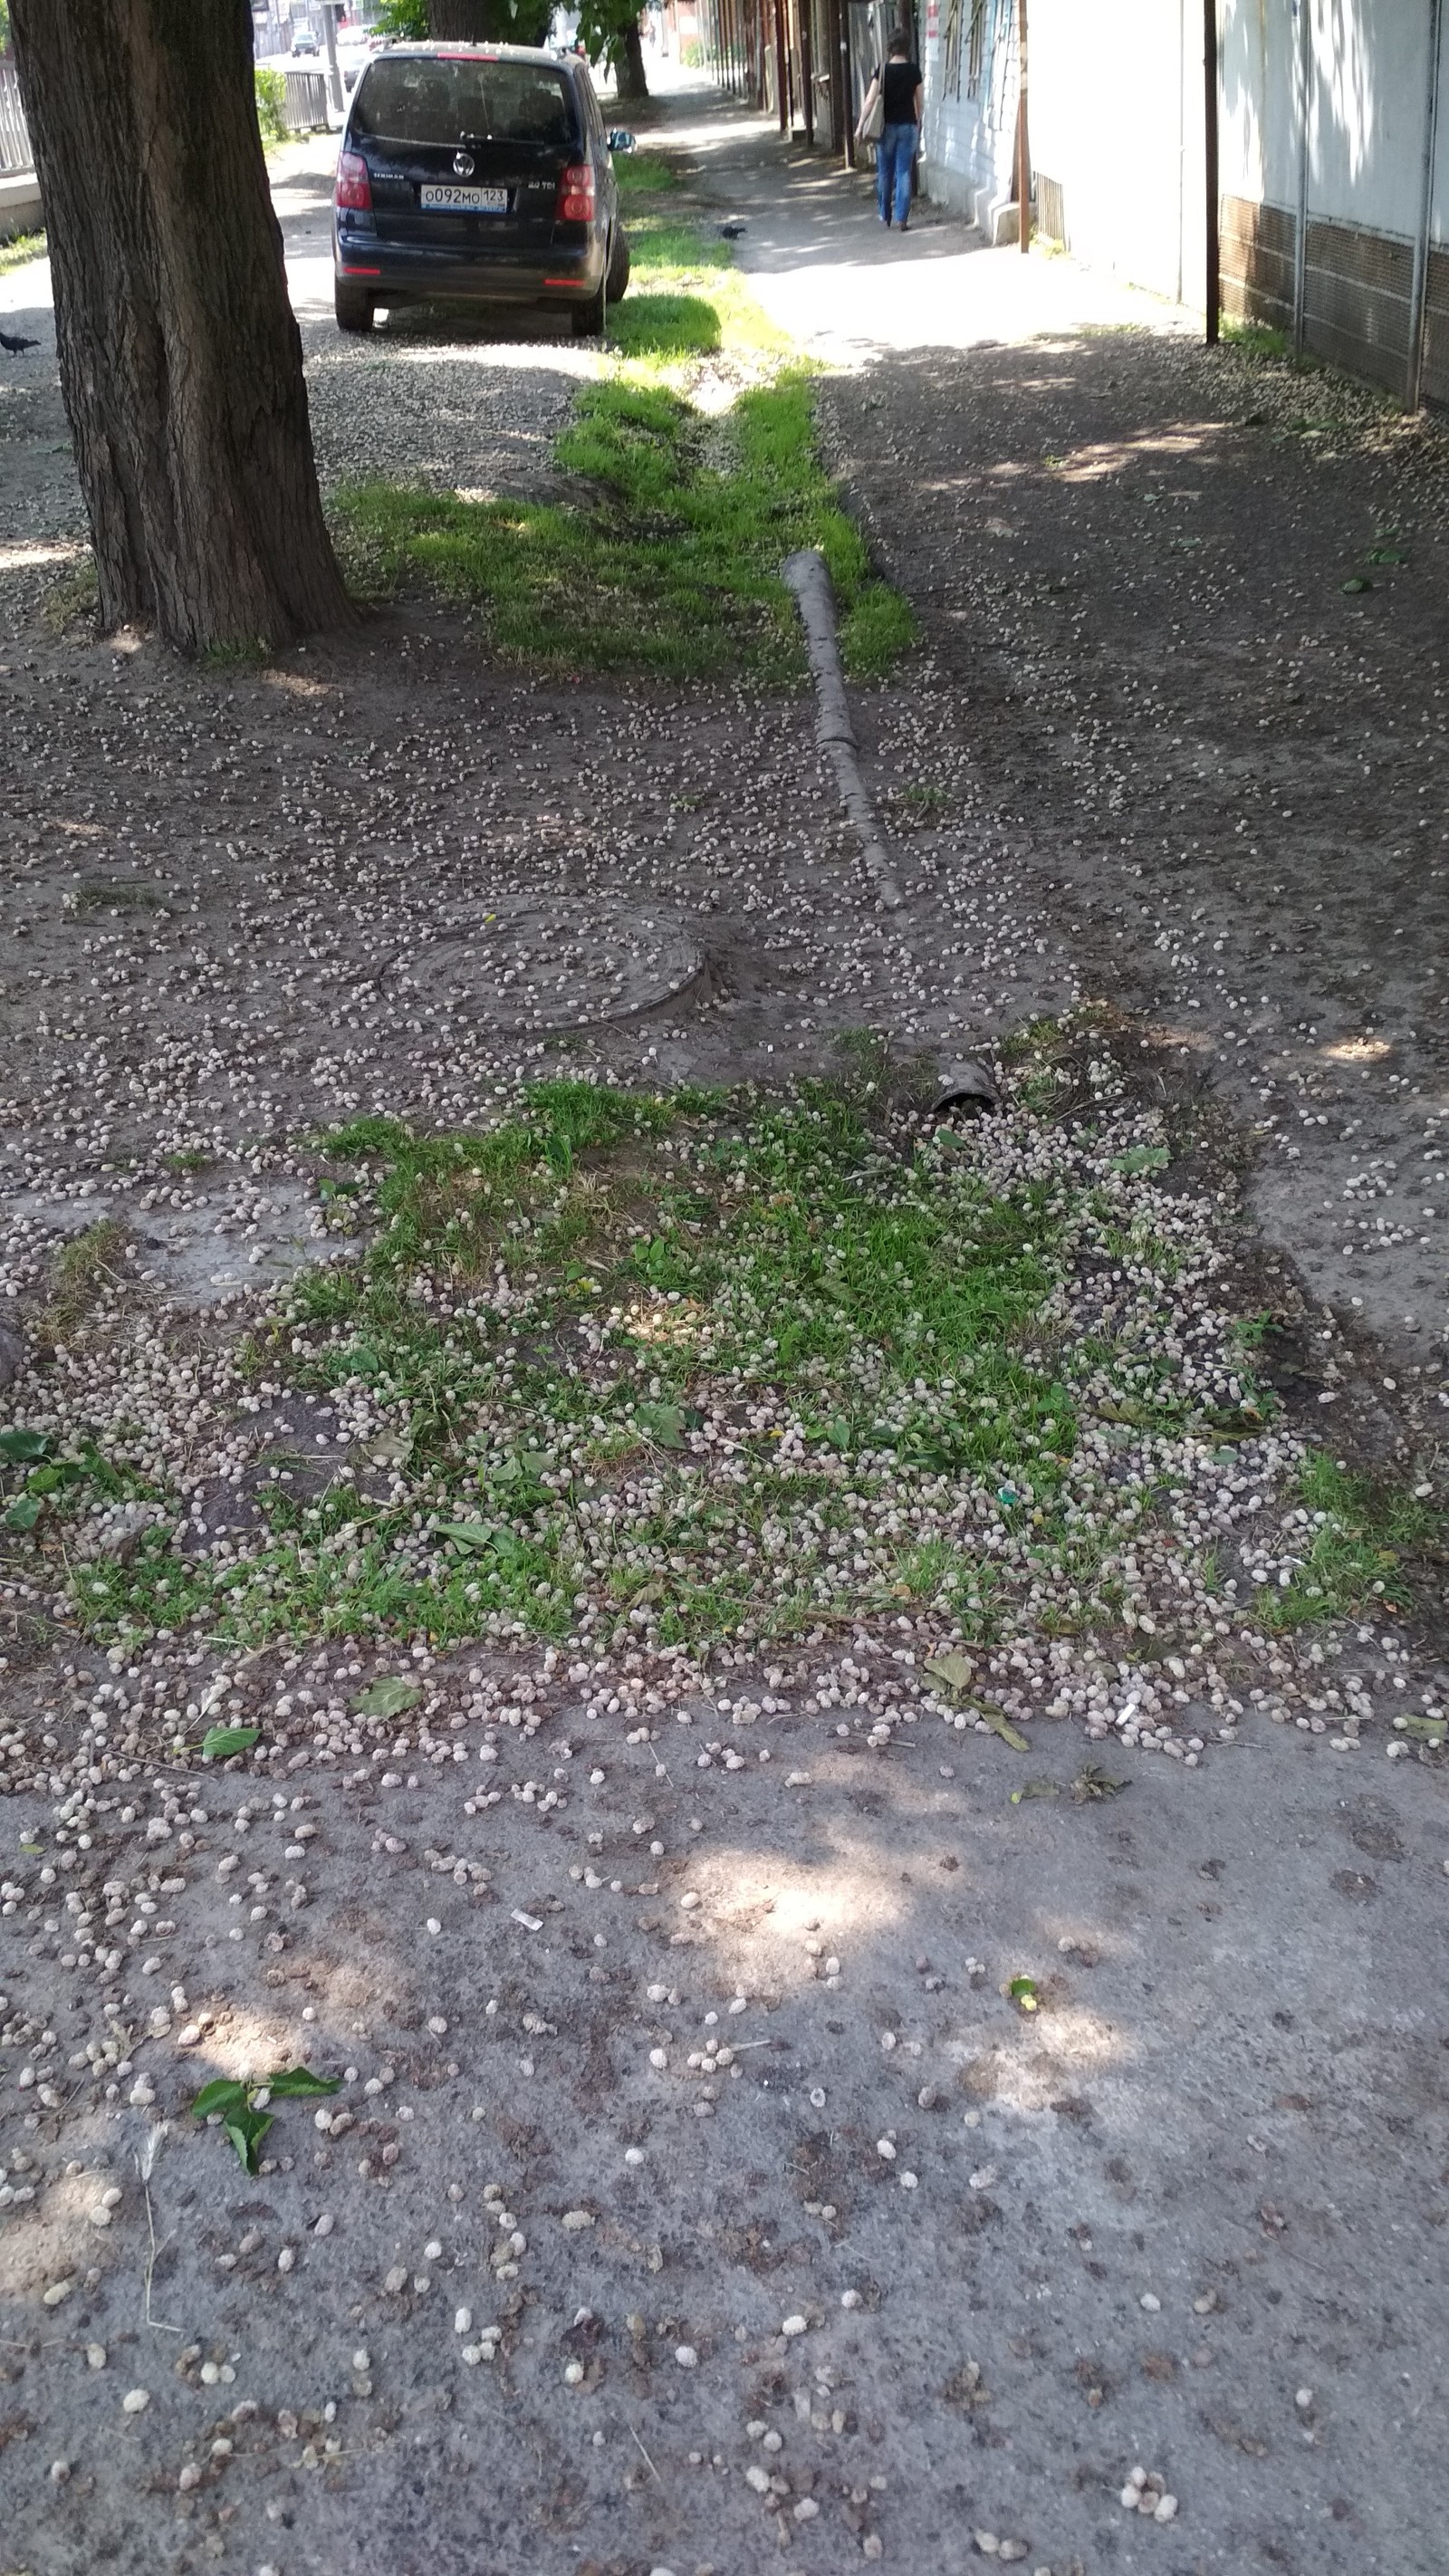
pixel 670 556
pixel 688 1367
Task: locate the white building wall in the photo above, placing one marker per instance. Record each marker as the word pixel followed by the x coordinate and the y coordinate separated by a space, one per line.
pixel 1116 115
pixel 1367 90
pixel 970 110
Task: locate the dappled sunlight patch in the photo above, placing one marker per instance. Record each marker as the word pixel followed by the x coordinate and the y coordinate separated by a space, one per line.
pixel 47 2245
pixel 1103 457
pixel 21 554
pixel 1358 1050
pixel 786 1924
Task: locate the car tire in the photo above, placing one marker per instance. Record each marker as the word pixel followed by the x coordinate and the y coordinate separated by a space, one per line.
pixel 589 318
pixel 353 308
pixel 616 285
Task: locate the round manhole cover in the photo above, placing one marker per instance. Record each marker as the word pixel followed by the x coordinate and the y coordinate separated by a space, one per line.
pixel 532 963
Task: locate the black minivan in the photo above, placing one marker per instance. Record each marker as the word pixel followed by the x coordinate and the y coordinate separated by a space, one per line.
pixel 479 173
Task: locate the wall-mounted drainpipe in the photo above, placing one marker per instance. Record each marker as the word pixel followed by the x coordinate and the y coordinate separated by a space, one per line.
pixel 1023 136
pixel 1210 158
pixel 1419 291
pixel 1300 237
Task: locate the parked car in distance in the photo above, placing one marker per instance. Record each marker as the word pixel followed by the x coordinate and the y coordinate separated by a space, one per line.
pixel 477 173
pixel 305 43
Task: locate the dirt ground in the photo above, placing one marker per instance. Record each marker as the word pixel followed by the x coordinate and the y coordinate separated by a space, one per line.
pixel 551 2283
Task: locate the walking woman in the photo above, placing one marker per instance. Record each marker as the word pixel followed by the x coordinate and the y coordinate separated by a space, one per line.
pixel 899 90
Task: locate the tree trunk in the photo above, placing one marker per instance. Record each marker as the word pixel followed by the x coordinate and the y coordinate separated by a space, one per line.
pixel 180 361
pixel 632 82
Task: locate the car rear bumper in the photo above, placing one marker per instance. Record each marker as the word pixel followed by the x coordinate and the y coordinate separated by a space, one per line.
pixel 409 272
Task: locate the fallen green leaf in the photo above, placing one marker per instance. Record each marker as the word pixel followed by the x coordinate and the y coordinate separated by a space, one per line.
pixel 221 1741
pixel 955 1671
pixel 221 2095
pixel 246 2131
pixel 1386 555
pixel 16 1444
pixel 1142 1158
pixel 23 1513
pixel 390 1449
pixel 1001 1726
pixel 661 1423
pixel 299 2084
pixel 387 1697
pixel 466 1534
pixel 1426 1730
pixel 1036 1789
pixel 1357 583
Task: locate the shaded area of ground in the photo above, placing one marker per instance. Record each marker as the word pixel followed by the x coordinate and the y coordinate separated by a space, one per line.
pixel 1187 2215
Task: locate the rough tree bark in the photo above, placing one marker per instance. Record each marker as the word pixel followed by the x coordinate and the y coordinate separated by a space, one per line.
pixel 631 76
pixel 180 360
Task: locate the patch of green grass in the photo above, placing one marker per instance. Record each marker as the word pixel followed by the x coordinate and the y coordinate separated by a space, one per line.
pixel 683 1366
pixel 98 896
pixel 86 1267
pixel 21 249
pixel 1361 1539
pixel 238 653
pixel 676 564
pixel 670 557
pixel 643 174
pixel 1258 340
pixel 742 1355
pixel 73 599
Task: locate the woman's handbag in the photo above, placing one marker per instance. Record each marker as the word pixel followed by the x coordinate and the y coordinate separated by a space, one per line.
pixel 872 124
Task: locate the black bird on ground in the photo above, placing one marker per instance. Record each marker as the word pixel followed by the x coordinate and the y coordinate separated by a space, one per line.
pixel 13 345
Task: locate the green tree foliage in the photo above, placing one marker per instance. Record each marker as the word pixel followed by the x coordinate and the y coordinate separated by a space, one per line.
pixel 610 33
pixel 485 22
pixel 271 99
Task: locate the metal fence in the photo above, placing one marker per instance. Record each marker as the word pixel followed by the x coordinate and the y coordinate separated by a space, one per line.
pixel 305 108
pixel 15 152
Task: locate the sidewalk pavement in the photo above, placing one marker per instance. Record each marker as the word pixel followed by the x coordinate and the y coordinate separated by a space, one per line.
pixel 1185 647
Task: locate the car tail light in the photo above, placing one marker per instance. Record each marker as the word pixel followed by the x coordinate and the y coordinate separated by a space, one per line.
pixel 354 185
pixel 575 201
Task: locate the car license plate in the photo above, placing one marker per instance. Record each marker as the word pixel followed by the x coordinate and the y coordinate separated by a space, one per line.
pixel 464 201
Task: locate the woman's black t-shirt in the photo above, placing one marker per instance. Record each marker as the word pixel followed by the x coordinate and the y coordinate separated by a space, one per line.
pixel 899 84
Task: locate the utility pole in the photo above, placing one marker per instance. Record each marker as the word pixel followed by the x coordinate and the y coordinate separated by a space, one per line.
pixel 329 39
pixel 1210 158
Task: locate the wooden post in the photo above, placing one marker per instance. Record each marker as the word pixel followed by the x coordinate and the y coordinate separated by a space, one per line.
pixel 807 69
pixel 839 77
pixel 1023 137
pixel 1210 158
pixel 782 75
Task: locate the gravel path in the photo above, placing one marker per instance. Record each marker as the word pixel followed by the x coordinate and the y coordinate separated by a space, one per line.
pixel 699 2195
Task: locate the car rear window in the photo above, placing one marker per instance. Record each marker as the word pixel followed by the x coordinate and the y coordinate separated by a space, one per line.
pixel 421 100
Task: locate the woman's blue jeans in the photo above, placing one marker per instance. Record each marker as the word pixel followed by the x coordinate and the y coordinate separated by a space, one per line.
pixel 894 154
